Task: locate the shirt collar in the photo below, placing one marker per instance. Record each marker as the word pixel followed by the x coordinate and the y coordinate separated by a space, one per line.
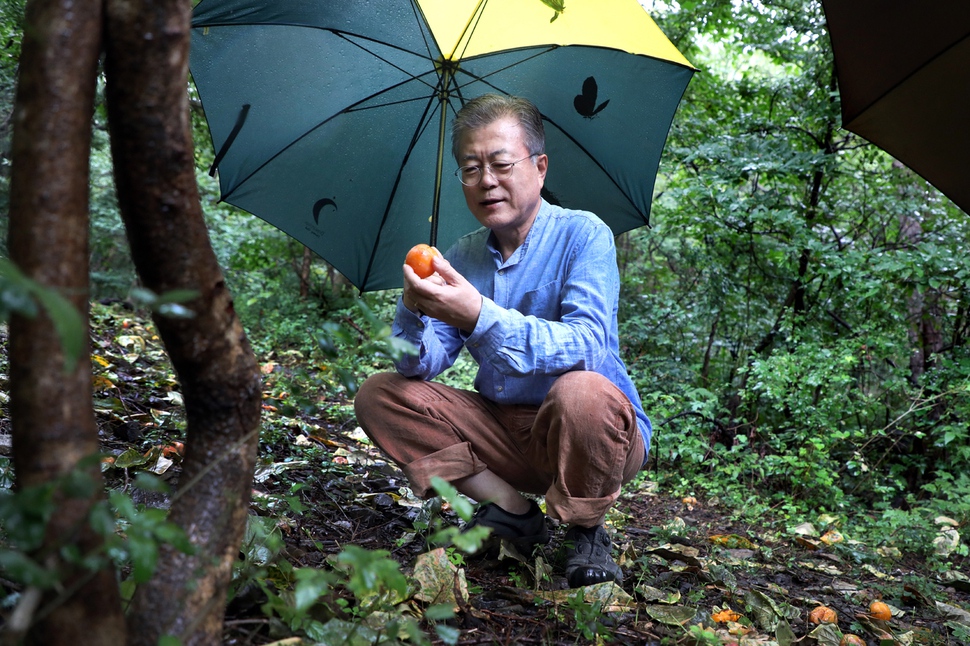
pixel 537 223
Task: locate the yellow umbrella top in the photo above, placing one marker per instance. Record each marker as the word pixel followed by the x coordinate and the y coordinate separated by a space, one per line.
pixel 468 28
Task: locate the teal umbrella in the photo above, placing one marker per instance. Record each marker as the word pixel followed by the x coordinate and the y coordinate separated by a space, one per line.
pixel 330 120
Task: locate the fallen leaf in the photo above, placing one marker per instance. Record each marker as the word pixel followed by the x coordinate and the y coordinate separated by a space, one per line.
pixel 821 567
pixel 131 458
pixel 946 542
pixel 100 383
pixel 954 613
pixel 266 469
pixel 677 552
pixel 784 635
pixel 828 519
pixel 889 552
pixel 732 541
pixel 611 597
pixel 827 635
pixel 101 361
pixel 808 543
pixel 956 580
pixel 832 537
pixel 161 465
pixel 652 594
pixel 439 580
pixel 874 572
pixel 671 615
pixel 805 529
pixel 766 612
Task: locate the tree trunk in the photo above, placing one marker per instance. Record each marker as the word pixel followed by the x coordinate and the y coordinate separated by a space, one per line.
pixel 146 67
pixel 924 313
pixel 305 273
pixel 51 411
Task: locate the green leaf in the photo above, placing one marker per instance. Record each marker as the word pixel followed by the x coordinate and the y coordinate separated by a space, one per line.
pixel 372 572
pixel 671 615
pixel 439 612
pixel 102 518
pixel 131 458
pixel 21 568
pixel 346 633
pixel 151 482
pixel 144 556
pixel 311 584
pixel 784 634
pixel 448 634
pixel 168 304
pixel 459 503
pixel 68 323
pixel 67 320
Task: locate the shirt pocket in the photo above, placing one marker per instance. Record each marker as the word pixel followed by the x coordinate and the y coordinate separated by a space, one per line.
pixel 542 302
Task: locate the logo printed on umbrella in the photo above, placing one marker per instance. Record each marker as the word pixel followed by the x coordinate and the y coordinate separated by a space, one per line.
pixel 585 103
pixel 319 207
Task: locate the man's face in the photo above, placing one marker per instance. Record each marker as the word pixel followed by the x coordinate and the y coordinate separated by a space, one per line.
pixel 506 206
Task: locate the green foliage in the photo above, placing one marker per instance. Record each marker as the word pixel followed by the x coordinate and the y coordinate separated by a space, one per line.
pixel 144 529
pixel 772 319
pixel 371 338
pixel 771 314
pixel 469 541
pixel 588 616
pixel 19 294
pixel 131 534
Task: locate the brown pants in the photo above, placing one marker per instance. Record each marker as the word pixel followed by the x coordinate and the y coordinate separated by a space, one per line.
pixel 578 448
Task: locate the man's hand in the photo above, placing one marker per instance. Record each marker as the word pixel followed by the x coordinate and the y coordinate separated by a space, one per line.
pixel 445 295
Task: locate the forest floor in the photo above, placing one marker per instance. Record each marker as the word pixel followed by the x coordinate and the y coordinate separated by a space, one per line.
pixel 694 573
pixel 685 561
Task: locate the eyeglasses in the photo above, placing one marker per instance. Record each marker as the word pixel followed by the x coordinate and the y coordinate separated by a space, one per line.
pixel 472 175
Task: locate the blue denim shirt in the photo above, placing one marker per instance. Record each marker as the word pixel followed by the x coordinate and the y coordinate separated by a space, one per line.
pixel 550 308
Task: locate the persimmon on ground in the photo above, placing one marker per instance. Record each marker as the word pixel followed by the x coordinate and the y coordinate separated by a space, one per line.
pixel 421 259
pixel 823 615
pixel 879 610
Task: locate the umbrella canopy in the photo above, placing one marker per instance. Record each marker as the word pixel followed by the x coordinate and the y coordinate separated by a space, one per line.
pixel 904 78
pixel 331 120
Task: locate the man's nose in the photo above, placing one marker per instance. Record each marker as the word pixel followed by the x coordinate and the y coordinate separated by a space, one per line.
pixel 488 177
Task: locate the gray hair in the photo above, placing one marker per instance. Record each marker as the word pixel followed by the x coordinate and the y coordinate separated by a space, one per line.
pixel 483 110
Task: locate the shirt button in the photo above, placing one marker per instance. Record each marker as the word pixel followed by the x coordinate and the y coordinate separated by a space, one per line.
pixel 500 388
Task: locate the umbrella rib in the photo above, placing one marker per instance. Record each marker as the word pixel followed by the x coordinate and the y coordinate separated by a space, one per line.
pixel 421 19
pixel 348 36
pixel 475 18
pixel 419 130
pixel 903 81
pixel 598 165
pixel 346 110
pixel 383 59
pixel 549 49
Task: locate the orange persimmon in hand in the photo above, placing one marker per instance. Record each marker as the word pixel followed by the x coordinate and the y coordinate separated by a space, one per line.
pixel 421 259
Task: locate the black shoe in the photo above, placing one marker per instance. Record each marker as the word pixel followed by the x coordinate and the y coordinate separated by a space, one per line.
pixel 524 531
pixel 588 559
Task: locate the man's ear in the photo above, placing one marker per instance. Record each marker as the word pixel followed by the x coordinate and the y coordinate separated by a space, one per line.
pixel 542 164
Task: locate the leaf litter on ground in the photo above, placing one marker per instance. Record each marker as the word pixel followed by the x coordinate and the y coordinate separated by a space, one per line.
pixel 694 572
